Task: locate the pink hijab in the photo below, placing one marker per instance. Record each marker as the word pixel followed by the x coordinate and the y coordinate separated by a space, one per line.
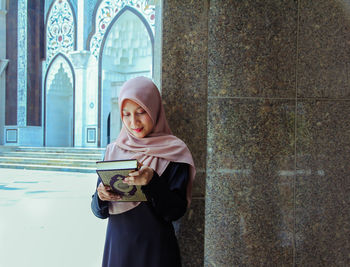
pixel 157 149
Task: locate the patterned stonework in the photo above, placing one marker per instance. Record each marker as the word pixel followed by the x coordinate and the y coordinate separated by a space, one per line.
pixel 22 64
pixel 60 30
pixel 108 10
pixel 59 65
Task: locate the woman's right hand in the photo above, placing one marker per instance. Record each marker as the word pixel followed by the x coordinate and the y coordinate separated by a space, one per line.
pixel 105 193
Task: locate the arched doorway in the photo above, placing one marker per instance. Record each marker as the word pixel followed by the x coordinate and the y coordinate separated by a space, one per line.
pixel 126 52
pixel 59 103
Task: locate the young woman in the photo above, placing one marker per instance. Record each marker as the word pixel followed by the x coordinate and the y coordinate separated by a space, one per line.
pixel 141 233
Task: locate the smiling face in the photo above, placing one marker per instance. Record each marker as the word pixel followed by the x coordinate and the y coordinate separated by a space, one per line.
pixel 136 119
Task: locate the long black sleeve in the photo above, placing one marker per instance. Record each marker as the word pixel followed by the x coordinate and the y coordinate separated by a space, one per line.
pixel 99 207
pixel 167 193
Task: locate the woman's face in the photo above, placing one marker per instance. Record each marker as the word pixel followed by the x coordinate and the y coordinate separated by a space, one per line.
pixel 136 119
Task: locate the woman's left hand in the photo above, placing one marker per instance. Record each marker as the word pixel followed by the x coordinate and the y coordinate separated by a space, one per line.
pixel 141 177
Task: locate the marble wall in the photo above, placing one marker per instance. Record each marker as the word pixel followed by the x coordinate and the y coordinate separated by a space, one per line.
pixel 35 50
pixel 3 65
pixel 260 92
pixel 11 55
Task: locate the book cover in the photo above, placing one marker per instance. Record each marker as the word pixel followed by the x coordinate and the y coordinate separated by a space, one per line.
pixel 113 172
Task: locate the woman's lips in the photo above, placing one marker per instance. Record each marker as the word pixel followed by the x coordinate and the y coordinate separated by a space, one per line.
pixel 138 130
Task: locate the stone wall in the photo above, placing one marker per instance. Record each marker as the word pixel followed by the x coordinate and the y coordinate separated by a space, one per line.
pixel 184 91
pixel 259 90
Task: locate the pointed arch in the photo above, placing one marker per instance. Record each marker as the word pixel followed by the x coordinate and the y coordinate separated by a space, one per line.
pixel 104 13
pixel 52 71
pixel 101 115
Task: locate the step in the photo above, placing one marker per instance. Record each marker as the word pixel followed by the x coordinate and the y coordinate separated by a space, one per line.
pixel 81 150
pixel 48 161
pixel 50 158
pixel 48 168
pixel 32 154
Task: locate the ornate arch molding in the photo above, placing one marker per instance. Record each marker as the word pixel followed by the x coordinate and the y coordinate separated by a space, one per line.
pixel 45 89
pixel 108 11
pixel 110 26
pixel 60 35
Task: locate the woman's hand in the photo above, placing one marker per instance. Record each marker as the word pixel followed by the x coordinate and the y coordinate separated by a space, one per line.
pixel 105 193
pixel 140 177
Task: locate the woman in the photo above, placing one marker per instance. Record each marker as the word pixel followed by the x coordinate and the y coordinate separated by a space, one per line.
pixel 141 233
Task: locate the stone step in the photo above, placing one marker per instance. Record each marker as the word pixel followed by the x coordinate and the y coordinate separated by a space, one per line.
pixel 48 167
pixel 49 161
pixel 39 154
pixel 50 158
pixel 82 150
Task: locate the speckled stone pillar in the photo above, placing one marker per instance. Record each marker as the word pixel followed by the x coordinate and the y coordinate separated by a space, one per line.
pixel 251 117
pixel 322 187
pixel 260 91
pixel 278 134
pixel 184 93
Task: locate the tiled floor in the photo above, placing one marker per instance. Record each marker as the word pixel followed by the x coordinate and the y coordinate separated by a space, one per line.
pixel 46 221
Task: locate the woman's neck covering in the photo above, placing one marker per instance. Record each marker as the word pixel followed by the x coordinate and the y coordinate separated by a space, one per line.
pixel 157 149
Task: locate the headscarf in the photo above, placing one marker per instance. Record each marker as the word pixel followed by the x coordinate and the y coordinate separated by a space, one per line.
pixel 157 149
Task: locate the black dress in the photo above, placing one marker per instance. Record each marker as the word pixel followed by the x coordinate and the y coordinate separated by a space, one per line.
pixel 144 236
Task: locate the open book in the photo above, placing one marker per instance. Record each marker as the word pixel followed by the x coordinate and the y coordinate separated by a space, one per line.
pixel 113 172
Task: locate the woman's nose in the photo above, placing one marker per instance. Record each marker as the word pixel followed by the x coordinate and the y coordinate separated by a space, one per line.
pixel 133 121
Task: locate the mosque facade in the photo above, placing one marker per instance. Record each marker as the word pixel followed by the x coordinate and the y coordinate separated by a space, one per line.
pixel 62 63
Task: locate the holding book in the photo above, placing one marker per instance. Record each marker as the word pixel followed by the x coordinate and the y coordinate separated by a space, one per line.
pixel 113 173
pixel 141 233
